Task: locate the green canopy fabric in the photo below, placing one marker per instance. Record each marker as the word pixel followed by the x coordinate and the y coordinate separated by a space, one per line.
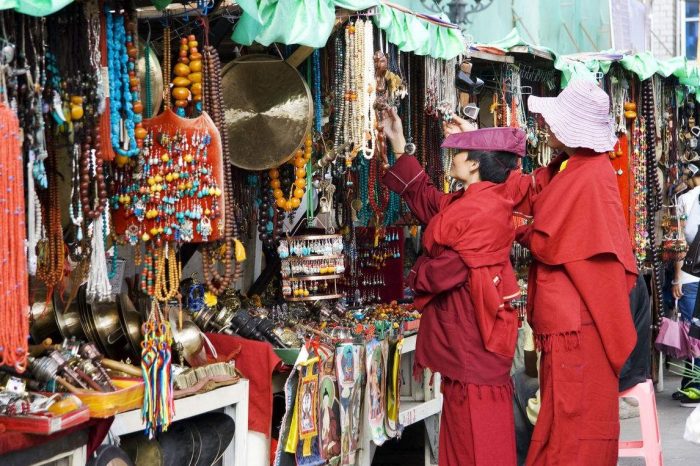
pixel 34 7
pixel 310 23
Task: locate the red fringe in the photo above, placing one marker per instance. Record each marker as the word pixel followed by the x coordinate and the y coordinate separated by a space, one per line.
pixel 558 341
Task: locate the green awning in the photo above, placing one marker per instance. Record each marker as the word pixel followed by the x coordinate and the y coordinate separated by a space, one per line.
pixel 310 23
pixel 34 7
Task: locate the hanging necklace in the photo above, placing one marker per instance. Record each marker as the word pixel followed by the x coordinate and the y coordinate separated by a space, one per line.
pixel 167 284
pixel 167 50
pixel 13 270
pixel 234 250
pixel 297 190
pixel 127 132
pixel 50 257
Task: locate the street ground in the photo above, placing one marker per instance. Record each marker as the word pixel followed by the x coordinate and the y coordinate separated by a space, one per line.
pixel 672 417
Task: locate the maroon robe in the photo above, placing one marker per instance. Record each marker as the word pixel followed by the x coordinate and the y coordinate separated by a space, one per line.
pixel 461 282
pixel 578 305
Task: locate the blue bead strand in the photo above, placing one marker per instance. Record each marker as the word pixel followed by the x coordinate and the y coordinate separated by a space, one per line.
pixel 121 96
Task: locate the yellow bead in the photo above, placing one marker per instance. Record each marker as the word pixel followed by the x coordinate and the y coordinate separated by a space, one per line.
pixel 207 212
pixel 277 193
pixel 151 181
pixel 296 202
pixel 154 231
pixel 159 179
pixel 169 177
pixel 145 237
pixel 274 173
pixel 298 193
pixel 189 185
pixel 176 175
pixel 160 230
pixel 76 112
pixel 301 172
pixel 165 157
pixel 281 202
pixel 189 158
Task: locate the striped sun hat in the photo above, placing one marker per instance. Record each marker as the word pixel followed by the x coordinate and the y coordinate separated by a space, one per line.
pixel 579 116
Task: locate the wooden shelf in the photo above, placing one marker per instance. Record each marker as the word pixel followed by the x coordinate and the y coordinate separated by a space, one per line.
pixel 315 298
pixel 311 237
pixel 309 278
pixel 305 258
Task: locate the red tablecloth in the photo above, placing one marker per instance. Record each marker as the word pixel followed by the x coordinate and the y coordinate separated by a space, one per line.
pixel 14 441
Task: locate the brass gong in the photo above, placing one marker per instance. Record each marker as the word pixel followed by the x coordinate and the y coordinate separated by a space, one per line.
pixel 268 111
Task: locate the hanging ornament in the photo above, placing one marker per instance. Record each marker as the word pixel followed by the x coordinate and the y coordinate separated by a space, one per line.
pixel 298 188
pixel 158 403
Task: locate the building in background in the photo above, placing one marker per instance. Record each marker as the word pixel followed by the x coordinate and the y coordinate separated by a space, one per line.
pixel 565 26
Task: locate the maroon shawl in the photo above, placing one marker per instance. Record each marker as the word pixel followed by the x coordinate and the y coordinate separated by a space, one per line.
pixel 582 256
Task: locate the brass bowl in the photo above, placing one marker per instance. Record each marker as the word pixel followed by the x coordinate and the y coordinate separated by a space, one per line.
pixel 42 321
pixel 130 320
pixel 108 328
pixel 189 340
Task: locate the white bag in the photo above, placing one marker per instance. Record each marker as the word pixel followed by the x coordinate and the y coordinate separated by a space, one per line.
pixel 692 426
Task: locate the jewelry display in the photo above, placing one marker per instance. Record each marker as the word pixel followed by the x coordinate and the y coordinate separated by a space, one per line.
pixel 173 190
pixel 311 267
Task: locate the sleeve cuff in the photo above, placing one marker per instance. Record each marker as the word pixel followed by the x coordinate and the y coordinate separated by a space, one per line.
pixel 402 174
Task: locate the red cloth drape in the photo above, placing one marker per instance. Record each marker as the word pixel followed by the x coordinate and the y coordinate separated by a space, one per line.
pixel 256 360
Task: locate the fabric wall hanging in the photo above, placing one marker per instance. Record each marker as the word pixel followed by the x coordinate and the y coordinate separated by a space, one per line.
pixel 393 388
pixel 307 453
pixel 173 190
pixel 376 389
pixel 329 407
pixel 349 371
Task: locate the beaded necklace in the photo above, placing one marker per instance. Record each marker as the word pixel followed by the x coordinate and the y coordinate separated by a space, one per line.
pixel 127 132
pixel 50 257
pixel 318 106
pixel 654 201
pixel 234 250
pixel 14 306
pixel 638 167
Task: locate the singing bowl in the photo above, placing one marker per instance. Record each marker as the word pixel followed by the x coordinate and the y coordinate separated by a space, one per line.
pixel 268 111
pixel 109 331
pixel 189 340
pixel 43 323
pixel 130 320
pixel 156 78
pixel 68 314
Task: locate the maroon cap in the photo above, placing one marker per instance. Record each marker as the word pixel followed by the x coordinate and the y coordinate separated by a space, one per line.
pixel 489 139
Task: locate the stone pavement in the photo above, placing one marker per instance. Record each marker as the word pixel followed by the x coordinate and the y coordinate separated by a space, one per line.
pixel 676 451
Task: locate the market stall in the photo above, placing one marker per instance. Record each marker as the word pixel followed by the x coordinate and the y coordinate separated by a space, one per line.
pixel 198 186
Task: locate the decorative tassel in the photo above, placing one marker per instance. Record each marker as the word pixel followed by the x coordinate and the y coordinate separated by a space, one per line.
pixel 99 287
pixel 240 251
pixel 14 306
pixel 158 403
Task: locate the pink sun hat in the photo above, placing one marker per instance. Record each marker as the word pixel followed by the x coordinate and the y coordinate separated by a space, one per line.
pixel 579 116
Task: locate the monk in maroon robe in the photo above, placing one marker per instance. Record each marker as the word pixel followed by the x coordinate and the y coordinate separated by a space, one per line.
pixel 582 272
pixel 464 283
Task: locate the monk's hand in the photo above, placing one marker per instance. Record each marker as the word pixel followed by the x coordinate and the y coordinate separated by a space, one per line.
pixel 677 291
pixel 393 130
pixel 456 125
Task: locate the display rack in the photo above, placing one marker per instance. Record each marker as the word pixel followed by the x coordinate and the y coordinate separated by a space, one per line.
pixel 419 402
pixel 233 399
